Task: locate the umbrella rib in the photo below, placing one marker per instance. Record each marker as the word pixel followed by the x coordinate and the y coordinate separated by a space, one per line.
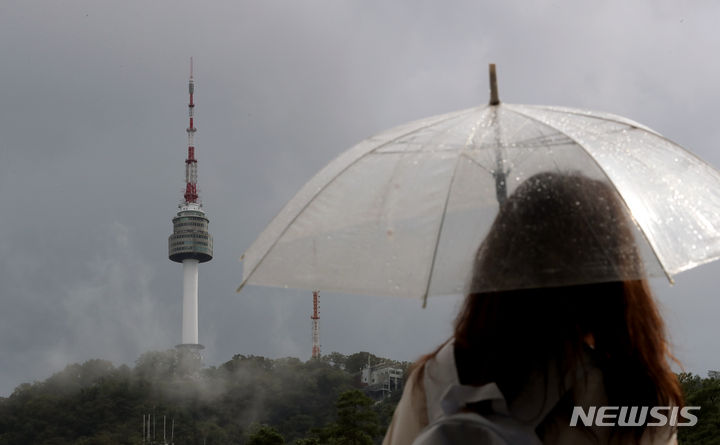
pixel 578 112
pixel 652 246
pixel 634 125
pixel 469 158
pixel 321 189
pixel 442 217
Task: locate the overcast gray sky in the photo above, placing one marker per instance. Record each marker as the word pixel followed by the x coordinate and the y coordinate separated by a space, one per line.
pixel 93 112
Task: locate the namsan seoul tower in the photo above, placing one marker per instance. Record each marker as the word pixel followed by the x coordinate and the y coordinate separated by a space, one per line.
pixel 190 242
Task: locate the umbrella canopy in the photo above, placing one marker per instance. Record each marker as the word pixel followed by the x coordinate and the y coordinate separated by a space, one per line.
pixel 404 212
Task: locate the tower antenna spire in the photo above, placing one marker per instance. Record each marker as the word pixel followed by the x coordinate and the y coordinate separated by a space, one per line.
pixel 191 194
pixel 190 242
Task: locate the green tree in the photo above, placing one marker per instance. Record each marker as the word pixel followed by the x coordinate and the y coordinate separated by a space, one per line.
pixel 386 408
pixel 264 435
pixel 704 393
pixel 355 362
pixel 356 424
pixel 335 359
pixel 157 365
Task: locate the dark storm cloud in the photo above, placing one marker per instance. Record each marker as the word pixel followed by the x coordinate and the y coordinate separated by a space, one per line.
pixel 92 111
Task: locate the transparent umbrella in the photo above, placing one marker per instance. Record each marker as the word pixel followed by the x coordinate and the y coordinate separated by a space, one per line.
pixel 404 212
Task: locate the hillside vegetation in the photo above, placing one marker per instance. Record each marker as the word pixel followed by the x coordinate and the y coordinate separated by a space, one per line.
pixel 244 400
pixel 247 400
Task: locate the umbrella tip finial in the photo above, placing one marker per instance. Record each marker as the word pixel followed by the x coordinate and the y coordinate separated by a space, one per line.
pixel 494 99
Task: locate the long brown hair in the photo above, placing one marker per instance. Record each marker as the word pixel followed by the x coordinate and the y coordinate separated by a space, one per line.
pixel 503 334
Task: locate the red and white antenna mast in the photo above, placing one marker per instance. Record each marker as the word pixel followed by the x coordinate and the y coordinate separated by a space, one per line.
pixel 316 325
pixel 191 194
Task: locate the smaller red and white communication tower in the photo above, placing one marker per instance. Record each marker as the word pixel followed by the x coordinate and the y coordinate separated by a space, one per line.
pixel 316 325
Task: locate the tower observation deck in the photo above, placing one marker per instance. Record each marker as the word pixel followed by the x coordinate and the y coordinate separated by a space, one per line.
pixel 190 239
pixel 190 242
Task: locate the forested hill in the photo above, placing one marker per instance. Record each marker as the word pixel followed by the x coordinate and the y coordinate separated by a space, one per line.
pixel 248 400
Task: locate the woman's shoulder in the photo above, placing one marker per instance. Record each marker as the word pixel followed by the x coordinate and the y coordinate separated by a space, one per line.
pixel 438 373
pixel 410 415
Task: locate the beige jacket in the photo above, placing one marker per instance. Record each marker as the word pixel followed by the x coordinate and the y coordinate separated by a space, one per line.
pixel 421 401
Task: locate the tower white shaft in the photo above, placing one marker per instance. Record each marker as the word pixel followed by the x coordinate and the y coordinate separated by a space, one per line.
pixel 190 302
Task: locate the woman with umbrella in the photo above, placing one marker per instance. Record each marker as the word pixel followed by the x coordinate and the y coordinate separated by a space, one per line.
pixel 549 341
pixel 559 314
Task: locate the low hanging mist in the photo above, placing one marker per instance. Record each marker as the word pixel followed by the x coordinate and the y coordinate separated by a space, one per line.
pixel 245 397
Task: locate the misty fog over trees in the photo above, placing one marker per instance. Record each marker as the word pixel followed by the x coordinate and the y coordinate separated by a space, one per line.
pixel 248 400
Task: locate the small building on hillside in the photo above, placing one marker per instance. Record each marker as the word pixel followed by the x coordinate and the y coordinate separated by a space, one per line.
pixel 381 380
